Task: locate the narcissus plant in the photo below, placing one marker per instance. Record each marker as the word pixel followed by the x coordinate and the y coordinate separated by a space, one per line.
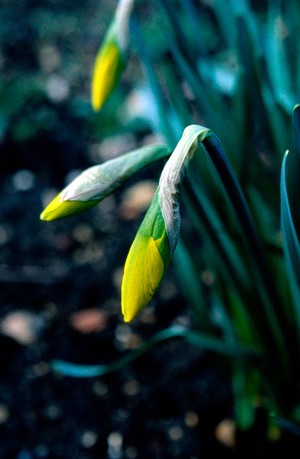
pixel 244 87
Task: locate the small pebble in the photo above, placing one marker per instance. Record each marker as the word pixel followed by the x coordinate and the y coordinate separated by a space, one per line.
pixel 137 199
pixel 120 416
pixel 82 233
pixel 118 276
pixel 57 88
pixel 115 146
pixel 91 253
pixel 23 180
pixel 123 334
pixel 175 433
pixel 41 369
pixel 147 316
pixel 225 433
pixel 125 339
pixel 131 452
pixel 115 442
pixel 88 439
pixel 23 326
pixel 49 58
pixel 191 419
pixel 131 387
pixel 4 235
pixel 100 389
pixel 52 412
pixel 89 320
pixel 4 413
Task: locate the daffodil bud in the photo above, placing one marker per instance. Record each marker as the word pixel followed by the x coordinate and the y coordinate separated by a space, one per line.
pixel 146 263
pixel 111 56
pixel 156 239
pixel 97 182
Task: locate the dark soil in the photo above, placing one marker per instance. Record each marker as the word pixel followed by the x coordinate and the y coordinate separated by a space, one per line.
pixel 167 404
pixel 51 272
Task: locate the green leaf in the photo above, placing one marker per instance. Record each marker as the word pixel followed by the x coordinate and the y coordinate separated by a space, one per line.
pixel 197 339
pixel 287 425
pixel 276 57
pixel 296 120
pixel 189 280
pixel 291 246
pixel 246 385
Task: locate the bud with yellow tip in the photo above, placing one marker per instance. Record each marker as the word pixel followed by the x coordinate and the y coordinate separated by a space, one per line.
pixel 156 239
pixel 111 56
pixel 97 182
pixel 146 263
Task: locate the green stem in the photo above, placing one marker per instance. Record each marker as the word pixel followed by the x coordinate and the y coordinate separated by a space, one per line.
pixel 214 234
pixel 195 338
pixel 270 295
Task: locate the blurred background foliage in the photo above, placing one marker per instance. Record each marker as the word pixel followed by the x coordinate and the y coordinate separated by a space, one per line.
pixel 44 86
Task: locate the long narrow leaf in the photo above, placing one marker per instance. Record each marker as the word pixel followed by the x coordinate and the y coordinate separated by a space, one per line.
pixel 239 204
pixel 197 339
pixel 278 65
pixel 204 217
pixel 296 120
pixel 290 242
pixel 190 283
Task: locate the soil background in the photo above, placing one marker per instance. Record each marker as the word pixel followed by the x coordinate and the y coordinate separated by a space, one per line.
pixel 60 281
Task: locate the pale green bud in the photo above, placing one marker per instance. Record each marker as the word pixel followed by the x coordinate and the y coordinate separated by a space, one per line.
pixel 97 182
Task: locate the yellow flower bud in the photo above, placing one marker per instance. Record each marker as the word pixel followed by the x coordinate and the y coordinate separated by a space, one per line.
pixel 107 71
pixel 146 263
pixel 156 239
pixel 110 59
pixel 59 208
pixel 97 182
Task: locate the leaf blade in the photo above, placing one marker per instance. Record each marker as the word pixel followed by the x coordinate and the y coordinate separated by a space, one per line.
pixel 290 241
